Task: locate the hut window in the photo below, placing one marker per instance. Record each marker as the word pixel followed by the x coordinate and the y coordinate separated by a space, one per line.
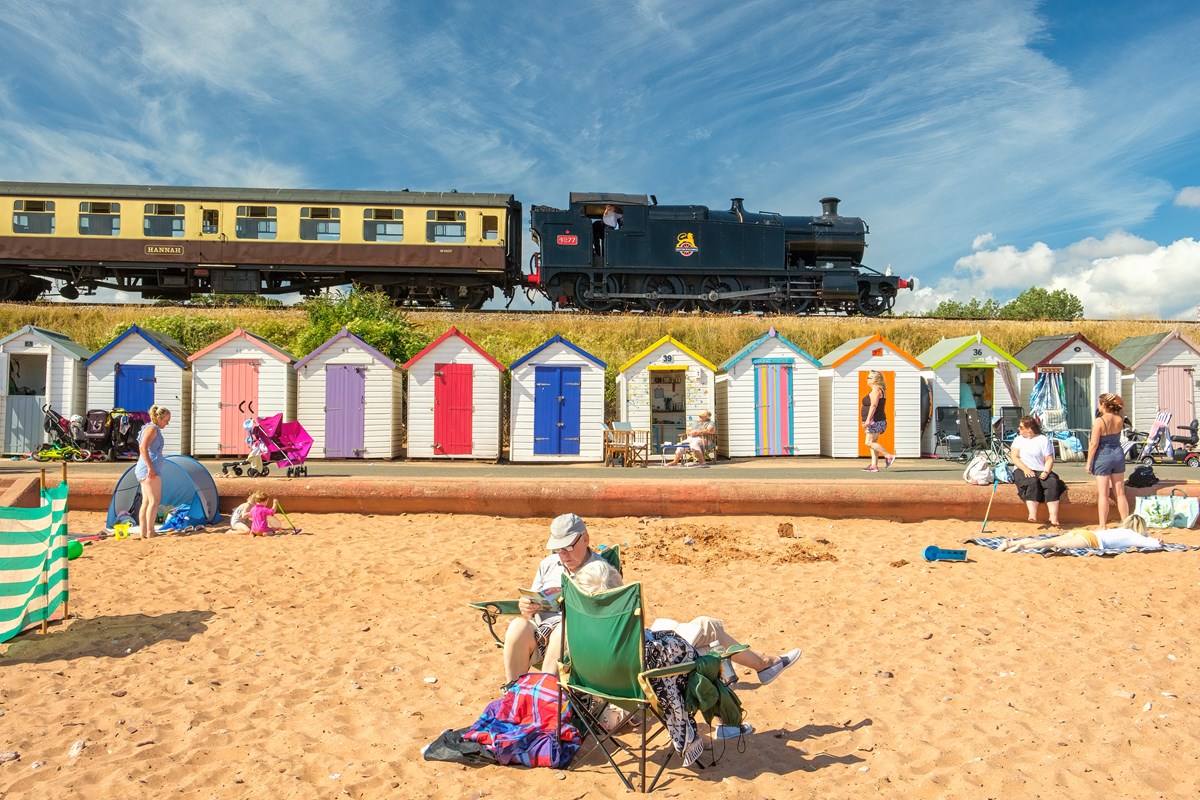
pixel 446 226
pixel 164 219
pixel 33 216
pixel 320 224
pixel 383 224
pixel 99 219
pixel 256 222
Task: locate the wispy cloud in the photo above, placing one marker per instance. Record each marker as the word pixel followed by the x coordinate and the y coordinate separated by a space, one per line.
pixel 1188 196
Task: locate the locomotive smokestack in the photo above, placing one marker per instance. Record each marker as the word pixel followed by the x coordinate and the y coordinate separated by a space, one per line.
pixel 829 206
pixel 736 206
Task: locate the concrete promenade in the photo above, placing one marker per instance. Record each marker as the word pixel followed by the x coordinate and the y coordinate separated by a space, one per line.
pixel 911 491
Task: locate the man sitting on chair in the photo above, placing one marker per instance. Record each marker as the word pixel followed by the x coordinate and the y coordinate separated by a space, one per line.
pixel 527 640
pixel 698 436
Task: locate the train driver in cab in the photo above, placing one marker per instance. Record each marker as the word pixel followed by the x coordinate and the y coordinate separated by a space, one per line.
pixel 611 218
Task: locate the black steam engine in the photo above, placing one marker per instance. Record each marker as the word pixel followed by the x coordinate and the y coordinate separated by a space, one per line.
pixel 669 258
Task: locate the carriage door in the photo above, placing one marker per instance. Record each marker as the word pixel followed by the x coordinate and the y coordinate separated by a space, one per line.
pixel 1175 394
pixel 772 408
pixel 556 400
pixel 453 409
pixel 134 387
pixel 1081 408
pixel 888 437
pixel 345 410
pixel 239 402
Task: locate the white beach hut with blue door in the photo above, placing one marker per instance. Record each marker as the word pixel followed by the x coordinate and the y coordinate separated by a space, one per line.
pixel 664 388
pixel 237 377
pixel 768 400
pixel 349 399
pixel 969 372
pixel 556 404
pixel 39 367
pixel 454 406
pixel 141 368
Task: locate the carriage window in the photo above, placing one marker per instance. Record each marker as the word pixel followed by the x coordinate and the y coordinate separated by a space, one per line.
pixel 210 220
pixel 383 224
pixel 164 219
pixel 491 228
pixel 320 224
pixel 33 216
pixel 256 222
pixel 100 219
pixel 448 227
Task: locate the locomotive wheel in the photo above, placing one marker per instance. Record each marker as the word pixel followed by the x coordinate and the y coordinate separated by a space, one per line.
pixel 662 284
pixel 583 290
pixel 710 287
pixel 871 305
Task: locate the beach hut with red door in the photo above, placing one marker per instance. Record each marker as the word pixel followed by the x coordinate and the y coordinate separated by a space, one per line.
pixel 233 379
pixel 843 385
pixel 454 400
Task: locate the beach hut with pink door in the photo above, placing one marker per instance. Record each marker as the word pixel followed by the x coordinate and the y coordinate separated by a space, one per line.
pixel 349 399
pixel 454 400
pixel 233 379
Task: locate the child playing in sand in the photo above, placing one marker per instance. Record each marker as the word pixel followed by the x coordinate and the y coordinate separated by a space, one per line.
pixel 254 516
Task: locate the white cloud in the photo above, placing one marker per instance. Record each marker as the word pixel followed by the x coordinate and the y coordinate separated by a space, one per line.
pixel 1188 196
pixel 983 240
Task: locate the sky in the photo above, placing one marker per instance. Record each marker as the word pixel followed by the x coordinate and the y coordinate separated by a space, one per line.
pixel 990 145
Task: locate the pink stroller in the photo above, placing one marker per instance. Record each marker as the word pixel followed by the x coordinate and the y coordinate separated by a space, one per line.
pixel 272 439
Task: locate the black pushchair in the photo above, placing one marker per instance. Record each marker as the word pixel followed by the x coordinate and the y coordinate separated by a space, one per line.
pixel 69 443
pixel 114 434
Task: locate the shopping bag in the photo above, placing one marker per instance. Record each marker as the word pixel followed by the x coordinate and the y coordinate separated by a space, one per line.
pixel 1186 509
pixel 1175 510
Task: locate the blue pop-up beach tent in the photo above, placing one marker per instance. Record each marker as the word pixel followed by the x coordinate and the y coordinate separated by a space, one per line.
pixel 185 482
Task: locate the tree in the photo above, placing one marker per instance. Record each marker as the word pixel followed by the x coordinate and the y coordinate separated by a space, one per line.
pixel 1037 303
pixel 370 316
pixel 952 309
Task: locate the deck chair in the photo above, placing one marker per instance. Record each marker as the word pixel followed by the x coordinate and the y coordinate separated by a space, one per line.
pixel 616 447
pixel 604 663
pixel 970 429
pixel 1010 420
pixel 492 610
pixel 947 441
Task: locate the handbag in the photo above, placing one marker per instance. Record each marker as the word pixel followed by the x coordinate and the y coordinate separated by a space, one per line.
pixel 1175 510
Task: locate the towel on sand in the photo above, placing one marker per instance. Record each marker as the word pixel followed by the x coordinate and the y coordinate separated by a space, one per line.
pixel 994 542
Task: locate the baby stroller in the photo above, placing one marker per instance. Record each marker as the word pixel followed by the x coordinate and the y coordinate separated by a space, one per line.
pixel 271 439
pixel 69 443
pixel 114 434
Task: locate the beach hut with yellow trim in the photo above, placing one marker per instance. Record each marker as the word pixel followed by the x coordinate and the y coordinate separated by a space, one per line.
pixel 664 388
pixel 843 380
pixel 969 372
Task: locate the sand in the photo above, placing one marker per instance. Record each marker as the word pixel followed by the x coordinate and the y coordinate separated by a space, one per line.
pixel 303 666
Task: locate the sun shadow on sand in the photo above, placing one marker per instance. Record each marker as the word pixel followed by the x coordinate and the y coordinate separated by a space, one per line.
pixel 769 753
pixel 111 637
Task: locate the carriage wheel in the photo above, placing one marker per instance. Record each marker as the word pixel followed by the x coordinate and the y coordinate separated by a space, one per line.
pixel 265 472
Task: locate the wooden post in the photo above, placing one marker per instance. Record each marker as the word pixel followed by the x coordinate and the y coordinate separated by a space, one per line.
pixel 42 488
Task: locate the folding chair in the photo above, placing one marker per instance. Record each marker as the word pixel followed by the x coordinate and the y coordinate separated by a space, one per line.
pixel 604 663
pixel 494 609
pixel 946 433
pixel 616 446
pixel 971 430
pixel 1010 420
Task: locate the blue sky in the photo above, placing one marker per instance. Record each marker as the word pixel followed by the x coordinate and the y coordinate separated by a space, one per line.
pixel 990 145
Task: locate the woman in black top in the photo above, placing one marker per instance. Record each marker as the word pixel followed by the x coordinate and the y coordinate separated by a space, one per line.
pixel 874 420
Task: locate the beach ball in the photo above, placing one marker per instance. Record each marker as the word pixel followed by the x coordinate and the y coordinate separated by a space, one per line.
pixel 74 549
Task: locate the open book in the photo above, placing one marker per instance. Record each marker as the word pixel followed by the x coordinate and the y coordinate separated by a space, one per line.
pixel 543 599
pixel 688 631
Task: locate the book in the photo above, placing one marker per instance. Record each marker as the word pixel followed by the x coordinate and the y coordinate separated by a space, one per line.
pixel 546 601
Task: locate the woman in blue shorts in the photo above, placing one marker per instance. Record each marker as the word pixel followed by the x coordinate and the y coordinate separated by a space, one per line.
pixel 1106 459
pixel 148 469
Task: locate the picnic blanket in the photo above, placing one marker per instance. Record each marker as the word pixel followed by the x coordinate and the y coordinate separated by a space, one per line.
pixel 994 543
pixel 522 726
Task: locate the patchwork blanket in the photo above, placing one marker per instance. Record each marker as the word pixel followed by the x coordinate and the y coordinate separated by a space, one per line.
pixel 522 726
pixel 994 543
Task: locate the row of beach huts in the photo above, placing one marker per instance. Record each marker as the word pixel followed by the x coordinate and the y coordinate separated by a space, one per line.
pixel 771 398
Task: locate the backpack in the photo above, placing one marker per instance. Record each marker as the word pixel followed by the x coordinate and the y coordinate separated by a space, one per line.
pixel 1004 472
pixel 979 471
pixel 1142 477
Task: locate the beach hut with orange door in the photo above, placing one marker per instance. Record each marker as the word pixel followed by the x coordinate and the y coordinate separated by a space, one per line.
pixel 843 381
pixel 557 404
pixel 454 400
pixel 664 388
pixel 235 378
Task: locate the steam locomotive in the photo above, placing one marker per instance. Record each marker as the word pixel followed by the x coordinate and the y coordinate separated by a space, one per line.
pixel 432 248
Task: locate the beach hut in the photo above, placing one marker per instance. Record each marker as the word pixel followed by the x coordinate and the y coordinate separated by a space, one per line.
pixel 349 399
pixel 1162 373
pixel 556 409
pixel 1076 370
pixel 768 400
pixel 141 368
pixel 970 372
pixel 664 388
pixel 843 385
pixel 233 379
pixel 41 367
pixel 454 402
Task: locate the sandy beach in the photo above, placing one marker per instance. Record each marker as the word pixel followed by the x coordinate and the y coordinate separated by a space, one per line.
pixel 318 665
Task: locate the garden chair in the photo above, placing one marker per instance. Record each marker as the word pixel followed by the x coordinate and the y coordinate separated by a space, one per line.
pixel 604 663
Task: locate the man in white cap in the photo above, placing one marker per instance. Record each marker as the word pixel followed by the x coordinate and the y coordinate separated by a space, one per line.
pixel 527 637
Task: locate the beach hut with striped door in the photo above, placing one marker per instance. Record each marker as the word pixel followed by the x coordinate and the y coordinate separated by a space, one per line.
pixel 236 378
pixel 1162 373
pixel 969 372
pixel 556 404
pixel 1079 371
pixel 349 399
pixel 664 388
pixel 844 384
pixel 39 367
pixel 768 400
pixel 454 400
pixel 141 368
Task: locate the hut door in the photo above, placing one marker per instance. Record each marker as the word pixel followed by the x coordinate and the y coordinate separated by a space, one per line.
pixel 135 387
pixel 1175 394
pixel 773 409
pixel 239 402
pixel 888 437
pixel 23 431
pixel 1081 410
pixel 345 411
pixel 556 402
pixel 453 409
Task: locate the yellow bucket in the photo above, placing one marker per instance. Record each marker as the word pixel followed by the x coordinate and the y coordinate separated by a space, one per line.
pixel 121 530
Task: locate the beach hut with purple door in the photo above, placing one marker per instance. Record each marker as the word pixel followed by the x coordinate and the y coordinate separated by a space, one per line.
pixel 349 399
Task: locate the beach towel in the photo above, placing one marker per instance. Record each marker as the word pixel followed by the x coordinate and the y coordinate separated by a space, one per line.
pixel 994 543
pixel 522 726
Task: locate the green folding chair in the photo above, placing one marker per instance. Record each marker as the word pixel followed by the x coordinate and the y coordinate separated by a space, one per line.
pixel 492 610
pixel 604 663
